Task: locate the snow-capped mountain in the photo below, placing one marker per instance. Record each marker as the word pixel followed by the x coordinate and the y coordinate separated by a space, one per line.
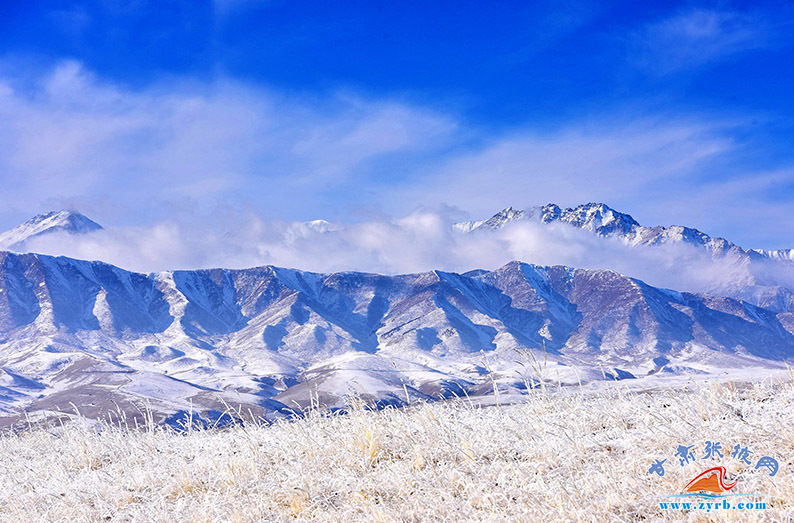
pixel 497 221
pixel 265 339
pixel 776 254
pixel 100 338
pixel 768 273
pixel 602 220
pixel 56 221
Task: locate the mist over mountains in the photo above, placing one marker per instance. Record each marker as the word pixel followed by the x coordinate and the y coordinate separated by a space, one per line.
pixel 267 338
pixel 68 222
pixel 592 236
pixel 762 277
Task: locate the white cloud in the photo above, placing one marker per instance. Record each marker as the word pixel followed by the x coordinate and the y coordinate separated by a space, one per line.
pixel 615 162
pixel 696 36
pixel 75 139
pixel 175 153
pixel 420 241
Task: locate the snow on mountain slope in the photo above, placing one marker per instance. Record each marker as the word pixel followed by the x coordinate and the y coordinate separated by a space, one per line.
pixel 267 338
pixel 778 254
pixel 55 221
pixel 602 220
pixel 496 221
pixel 768 275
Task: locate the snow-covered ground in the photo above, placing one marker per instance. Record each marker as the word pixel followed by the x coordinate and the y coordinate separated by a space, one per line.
pixel 571 455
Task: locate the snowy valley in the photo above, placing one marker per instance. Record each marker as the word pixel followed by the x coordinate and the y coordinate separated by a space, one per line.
pixel 97 338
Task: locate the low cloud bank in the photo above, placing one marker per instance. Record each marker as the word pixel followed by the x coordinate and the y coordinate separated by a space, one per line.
pixel 421 241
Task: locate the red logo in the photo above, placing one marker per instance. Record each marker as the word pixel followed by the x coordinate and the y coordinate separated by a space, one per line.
pixel 711 480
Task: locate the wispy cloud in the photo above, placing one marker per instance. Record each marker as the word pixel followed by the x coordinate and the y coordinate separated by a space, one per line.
pixel 697 36
pixel 74 139
pixel 174 152
pixel 619 159
pixel 671 171
pixel 420 241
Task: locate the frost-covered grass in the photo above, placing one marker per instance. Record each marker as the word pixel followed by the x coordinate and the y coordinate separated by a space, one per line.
pixel 560 456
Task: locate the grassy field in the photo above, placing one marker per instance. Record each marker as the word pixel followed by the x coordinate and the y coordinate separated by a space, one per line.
pixel 560 456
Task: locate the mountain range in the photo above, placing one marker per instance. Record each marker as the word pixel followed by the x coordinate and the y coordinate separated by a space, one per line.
pixel 93 337
pixel 602 220
pixel 762 277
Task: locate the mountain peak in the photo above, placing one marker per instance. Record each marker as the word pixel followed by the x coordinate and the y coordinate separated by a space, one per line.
pixel 592 216
pixel 497 221
pixel 68 221
pixel 504 216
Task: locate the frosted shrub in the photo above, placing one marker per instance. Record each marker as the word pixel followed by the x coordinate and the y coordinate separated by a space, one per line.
pixel 560 455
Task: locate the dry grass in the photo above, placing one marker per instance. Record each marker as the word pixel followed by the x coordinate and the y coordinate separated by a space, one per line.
pixel 561 456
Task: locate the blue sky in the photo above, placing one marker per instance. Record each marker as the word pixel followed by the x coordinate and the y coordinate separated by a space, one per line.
pixel 136 111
